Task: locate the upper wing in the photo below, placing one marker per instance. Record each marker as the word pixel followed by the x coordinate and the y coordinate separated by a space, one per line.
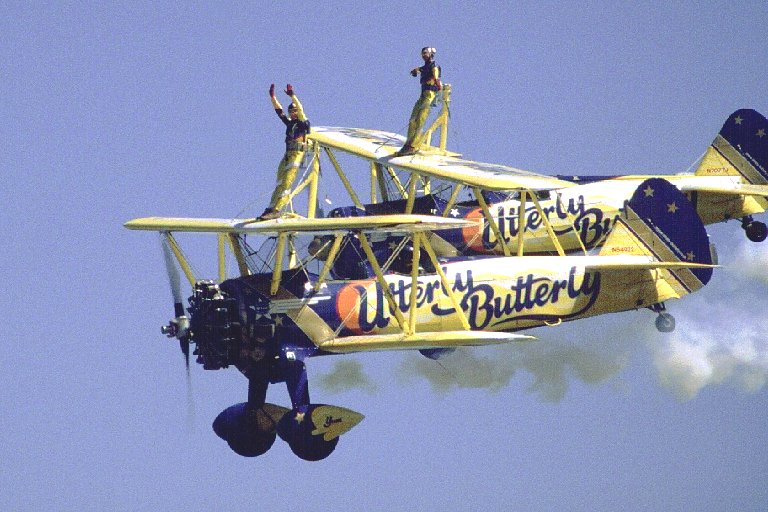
pixel 401 223
pixel 379 146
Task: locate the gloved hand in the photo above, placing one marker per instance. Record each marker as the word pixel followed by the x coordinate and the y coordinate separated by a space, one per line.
pixel 289 90
pixel 272 90
pixel 414 71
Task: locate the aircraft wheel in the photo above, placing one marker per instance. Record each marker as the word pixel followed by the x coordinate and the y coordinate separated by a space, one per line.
pixel 248 432
pixel 252 444
pixel 665 322
pixel 756 231
pixel 312 448
pixel 295 428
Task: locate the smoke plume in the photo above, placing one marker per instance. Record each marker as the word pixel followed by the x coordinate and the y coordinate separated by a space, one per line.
pixel 346 375
pixel 724 339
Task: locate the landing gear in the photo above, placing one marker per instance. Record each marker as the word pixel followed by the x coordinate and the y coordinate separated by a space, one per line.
pixel 664 322
pixel 296 428
pixel 311 430
pixel 250 428
pixel 756 231
pixel 308 428
pixel 249 432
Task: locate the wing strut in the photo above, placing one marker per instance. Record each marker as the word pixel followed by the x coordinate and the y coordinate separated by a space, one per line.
pixel 521 222
pixel 452 200
pixel 411 193
pixel 343 178
pixel 382 282
pixel 547 225
pixel 234 243
pixel 490 220
pixel 278 268
pixel 414 284
pixel 180 257
pixel 444 281
pixel 222 238
pixel 329 261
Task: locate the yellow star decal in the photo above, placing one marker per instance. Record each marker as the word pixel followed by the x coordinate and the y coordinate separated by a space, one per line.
pixel 690 256
pixel 299 417
pixel 738 119
pixel 761 133
pixel 648 191
pixel 278 320
pixel 672 208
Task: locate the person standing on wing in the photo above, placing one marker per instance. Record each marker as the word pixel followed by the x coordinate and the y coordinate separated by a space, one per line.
pixel 430 86
pixel 296 131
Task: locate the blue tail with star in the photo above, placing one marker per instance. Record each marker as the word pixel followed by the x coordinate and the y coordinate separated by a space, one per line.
pixel 660 222
pixel 740 149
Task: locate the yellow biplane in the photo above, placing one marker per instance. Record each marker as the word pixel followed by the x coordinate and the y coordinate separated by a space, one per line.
pixel 413 270
pixel 561 213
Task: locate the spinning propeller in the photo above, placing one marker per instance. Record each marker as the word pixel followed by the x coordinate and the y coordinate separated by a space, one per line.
pixel 179 326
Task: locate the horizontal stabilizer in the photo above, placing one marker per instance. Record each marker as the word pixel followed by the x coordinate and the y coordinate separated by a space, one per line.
pixel 640 263
pixel 420 340
pixel 402 223
pixel 736 189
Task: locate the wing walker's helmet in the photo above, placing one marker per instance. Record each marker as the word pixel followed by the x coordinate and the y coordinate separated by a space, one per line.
pixel 431 51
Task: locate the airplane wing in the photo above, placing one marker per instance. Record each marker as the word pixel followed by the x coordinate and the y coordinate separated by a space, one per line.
pixel 390 223
pixel 420 340
pixel 380 146
pixel 737 189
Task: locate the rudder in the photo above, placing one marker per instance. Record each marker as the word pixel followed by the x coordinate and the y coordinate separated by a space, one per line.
pixel 740 149
pixel 660 222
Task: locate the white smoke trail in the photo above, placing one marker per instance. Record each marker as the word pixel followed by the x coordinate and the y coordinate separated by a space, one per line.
pixel 346 375
pixel 724 341
pixel 590 351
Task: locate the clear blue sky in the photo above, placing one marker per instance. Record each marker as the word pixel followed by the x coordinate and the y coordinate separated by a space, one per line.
pixel 112 111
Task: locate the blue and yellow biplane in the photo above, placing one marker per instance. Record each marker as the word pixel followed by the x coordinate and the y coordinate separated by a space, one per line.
pixel 390 277
pixel 561 213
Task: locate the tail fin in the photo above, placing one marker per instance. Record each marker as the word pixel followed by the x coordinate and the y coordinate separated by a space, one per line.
pixel 740 149
pixel 661 223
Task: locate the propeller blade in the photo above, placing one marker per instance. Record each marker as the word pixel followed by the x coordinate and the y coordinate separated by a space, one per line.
pixel 174 280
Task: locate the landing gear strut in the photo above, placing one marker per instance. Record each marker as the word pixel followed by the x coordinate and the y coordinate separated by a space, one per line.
pixel 664 322
pixel 756 231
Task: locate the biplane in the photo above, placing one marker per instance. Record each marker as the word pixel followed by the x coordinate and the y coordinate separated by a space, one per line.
pixel 524 212
pixel 367 297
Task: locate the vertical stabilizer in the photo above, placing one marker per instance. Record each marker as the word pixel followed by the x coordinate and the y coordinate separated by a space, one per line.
pixel 740 149
pixel 659 222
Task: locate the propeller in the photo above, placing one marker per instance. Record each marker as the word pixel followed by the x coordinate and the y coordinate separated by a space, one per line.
pixel 178 306
pixel 176 327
